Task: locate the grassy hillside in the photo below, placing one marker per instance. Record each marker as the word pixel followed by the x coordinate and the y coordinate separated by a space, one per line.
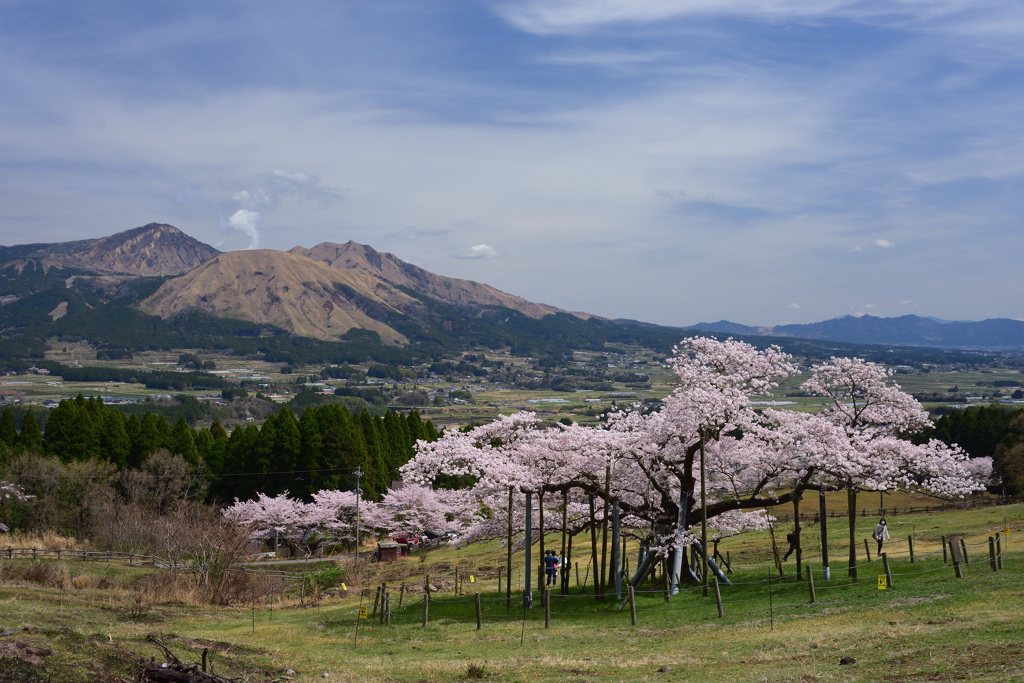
pixel 927 626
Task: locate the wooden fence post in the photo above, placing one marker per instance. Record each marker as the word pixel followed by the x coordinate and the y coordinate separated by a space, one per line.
pixel 383 601
pixel 992 553
pixel 888 574
pixel 718 599
pixel 632 606
pixel 401 595
pixel 479 613
pixel 810 584
pixel 945 559
pixel 910 540
pixel 547 607
pixel 963 547
pixel 376 598
pixel 999 552
pixel 426 608
pixel 955 553
pixel 867 549
pixel 387 613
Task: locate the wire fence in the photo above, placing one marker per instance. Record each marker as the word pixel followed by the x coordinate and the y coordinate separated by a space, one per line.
pixel 794 596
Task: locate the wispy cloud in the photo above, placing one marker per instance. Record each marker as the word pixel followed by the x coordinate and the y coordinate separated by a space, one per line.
pixel 478 251
pixel 794 305
pixel 884 244
pixel 414 233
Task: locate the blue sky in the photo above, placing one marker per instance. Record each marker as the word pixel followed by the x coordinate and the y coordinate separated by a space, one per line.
pixel 673 161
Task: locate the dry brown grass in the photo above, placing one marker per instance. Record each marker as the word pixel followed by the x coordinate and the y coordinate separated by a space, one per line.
pixel 46 540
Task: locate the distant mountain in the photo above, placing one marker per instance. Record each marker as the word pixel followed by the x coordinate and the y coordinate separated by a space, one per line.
pixel 153 250
pixel 729 328
pixel 995 333
pixel 465 295
pixel 287 290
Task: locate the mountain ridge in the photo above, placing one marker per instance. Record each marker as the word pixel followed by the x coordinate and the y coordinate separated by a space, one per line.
pixel 464 294
pixel 155 249
pixel 992 333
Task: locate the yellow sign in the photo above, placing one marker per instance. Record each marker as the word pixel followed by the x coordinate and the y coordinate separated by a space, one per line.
pixel 1006 530
pixel 881 582
pixel 362 612
pixel 471 579
pixel 344 587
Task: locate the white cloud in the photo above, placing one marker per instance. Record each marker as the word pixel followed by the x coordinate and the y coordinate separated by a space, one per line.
pixel 855 249
pixel 549 17
pixel 478 251
pixel 794 305
pixel 246 222
pixel 884 244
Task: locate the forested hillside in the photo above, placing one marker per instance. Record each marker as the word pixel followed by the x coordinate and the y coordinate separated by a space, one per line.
pixel 320 449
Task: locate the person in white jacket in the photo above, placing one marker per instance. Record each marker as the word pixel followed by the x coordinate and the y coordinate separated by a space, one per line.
pixel 881 534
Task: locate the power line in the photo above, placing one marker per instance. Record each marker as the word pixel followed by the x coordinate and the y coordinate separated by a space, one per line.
pixel 178 476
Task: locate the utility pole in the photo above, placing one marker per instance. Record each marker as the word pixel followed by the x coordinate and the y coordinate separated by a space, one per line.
pixel 359 494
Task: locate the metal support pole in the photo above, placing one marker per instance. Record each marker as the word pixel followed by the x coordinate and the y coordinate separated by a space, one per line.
pixel 527 587
pixel 616 564
pixel 824 535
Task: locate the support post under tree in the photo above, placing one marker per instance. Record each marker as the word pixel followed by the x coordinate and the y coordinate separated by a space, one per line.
pixel 677 557
pixel 593 540
pixel 528 581
pixel 563 571
pixel 540 551
pixel 851 506
pixel 796 532
pixel 616 565
pixel 703 520
pixel 604 533
pixel 508 599
pixel 824 535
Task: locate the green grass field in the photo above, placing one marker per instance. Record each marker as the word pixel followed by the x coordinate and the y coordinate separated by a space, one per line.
pixel 928 626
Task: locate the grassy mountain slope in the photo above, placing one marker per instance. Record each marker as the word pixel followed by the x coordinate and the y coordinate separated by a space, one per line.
pixel 463 294
pixel 289 291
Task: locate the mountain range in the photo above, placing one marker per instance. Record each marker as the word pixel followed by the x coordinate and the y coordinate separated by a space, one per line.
pixel 906 330
pixel 156 287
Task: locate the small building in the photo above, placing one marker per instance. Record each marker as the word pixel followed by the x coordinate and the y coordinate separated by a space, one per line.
pixel 387 551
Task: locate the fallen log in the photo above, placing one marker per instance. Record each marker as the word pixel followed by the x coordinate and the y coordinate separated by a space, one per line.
pixel 176 671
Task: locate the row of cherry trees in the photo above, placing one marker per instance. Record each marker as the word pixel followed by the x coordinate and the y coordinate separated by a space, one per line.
pixel 708 459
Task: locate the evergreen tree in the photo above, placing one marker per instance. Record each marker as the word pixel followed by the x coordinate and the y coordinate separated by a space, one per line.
pixel 310 459
pixel 375 456
pixel 151 436
pixel 59 427
pixel 183 443
pixel 133 428
pixel 289 442
pixel 8 432
pixel 30 438
pixel 218 450
pixel 115 445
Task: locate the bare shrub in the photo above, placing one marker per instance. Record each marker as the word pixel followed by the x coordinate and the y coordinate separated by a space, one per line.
pixel 81 582
pixel 163 483
pixel 48 574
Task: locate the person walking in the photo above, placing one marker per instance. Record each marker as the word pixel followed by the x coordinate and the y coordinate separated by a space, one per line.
pixel 880 534
pixel 791 539
pixel 550 567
